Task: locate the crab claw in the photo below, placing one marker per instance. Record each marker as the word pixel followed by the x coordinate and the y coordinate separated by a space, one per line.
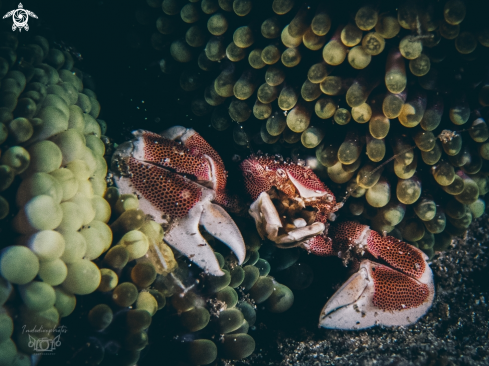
pixel 173 199
pixel 198 146
pixel 184 234
pixel 268 223
pixel 153 148
pixel 378 295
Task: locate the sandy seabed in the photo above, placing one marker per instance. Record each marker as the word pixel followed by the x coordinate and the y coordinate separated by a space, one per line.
pixel 454 332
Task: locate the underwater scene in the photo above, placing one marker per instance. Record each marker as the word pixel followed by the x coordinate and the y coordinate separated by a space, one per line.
pixel 244 182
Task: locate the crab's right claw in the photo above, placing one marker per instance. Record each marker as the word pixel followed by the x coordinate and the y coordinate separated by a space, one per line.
pixel 377 295
pixel 140 168
pixel 268 223
pixel 221 226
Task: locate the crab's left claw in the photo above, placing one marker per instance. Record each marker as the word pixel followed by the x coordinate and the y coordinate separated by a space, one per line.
pixel 186 238
pixel 378 295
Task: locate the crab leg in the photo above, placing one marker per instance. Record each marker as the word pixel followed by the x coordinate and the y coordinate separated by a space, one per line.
pixel 398 254
pixel 320 245
pixel 377 294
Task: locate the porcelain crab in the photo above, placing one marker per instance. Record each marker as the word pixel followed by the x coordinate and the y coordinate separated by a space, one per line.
pixel 291 207
pixel 178 178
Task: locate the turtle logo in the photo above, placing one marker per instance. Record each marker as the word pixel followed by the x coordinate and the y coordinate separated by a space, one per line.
pixel 20 17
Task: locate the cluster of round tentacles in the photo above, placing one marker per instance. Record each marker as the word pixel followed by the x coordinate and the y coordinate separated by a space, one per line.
pixel 347 87
pixel 53 214
pixel 83 262
pixel 142 309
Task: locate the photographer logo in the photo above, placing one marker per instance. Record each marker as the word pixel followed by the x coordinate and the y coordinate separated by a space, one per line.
pixel 20 17
pixel 44 344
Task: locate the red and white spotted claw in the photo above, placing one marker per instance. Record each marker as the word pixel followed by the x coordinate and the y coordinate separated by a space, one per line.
pixel 177 183
pixel 396 294
pixel 199 147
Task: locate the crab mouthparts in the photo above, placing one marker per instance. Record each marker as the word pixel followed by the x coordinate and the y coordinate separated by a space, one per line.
pixel 283 220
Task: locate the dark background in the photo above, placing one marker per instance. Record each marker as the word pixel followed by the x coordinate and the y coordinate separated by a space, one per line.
pixel 114 40
pixel 134 93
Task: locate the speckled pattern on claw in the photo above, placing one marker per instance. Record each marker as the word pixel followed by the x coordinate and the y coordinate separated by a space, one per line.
pixel 178 178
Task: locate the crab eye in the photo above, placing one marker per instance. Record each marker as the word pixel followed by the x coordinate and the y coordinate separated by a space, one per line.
pixel 281 173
